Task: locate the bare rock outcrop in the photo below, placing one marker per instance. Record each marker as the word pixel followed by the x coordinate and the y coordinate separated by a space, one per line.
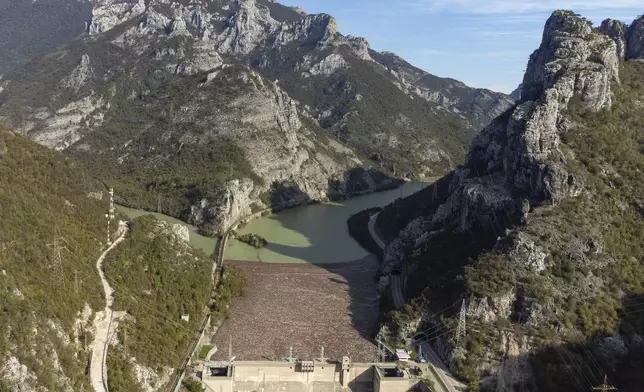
pixel 79 76
pixel 515 162
pixel 635 39
pixel 110 13
pixel 616 29
pixel 517 156
pixel 246 29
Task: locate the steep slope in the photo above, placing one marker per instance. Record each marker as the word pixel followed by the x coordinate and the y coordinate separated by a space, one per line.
pixel 46 306
pixel 477 106
pixel 51 235
pixel 222 108
pixel 540 230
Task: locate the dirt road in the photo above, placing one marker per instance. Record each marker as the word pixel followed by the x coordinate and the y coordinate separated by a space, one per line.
pixel 103 322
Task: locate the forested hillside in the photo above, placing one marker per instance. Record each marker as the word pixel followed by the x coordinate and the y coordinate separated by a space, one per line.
pixel 47 294
pixel 52 233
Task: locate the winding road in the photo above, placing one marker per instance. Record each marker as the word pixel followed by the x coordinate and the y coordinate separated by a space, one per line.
pixel 396 284
pixel 104 321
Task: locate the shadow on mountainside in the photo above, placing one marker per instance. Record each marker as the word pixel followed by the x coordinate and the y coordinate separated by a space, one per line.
pixel 583 365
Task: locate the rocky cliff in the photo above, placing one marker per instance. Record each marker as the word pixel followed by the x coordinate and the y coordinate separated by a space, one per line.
pixel 515 229
pixel 224 107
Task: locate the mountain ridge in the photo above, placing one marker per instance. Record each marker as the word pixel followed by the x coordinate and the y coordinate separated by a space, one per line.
pixel 169 58
pixel 538 230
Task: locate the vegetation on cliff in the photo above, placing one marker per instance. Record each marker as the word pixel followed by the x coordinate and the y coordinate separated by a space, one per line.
pixel 231 285
pixel 589 291
pixel 157 279
pixel 44 197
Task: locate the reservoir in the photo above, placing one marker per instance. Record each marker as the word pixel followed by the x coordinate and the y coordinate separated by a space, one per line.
pixel 315 234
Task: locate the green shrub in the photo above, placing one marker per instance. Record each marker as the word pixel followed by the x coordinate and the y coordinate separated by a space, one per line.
pixel 192 385
pixel 157 280
pixel 254 240
pixel 231 285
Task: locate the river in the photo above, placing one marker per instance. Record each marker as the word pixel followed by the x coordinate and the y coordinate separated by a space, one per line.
pixel 314 234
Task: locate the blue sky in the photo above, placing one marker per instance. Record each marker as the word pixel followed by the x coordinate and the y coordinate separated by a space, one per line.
pixel 484 43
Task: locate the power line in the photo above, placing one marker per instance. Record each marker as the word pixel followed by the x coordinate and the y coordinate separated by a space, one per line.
pixel 569 369
pixel 576 365
pixel 594 361
pixel 439 325
pixel 583 361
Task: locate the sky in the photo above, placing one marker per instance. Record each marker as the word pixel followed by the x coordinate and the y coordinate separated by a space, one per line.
pixel 484 43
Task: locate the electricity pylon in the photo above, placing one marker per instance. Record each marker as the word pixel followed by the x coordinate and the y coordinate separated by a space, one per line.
pixel 58 274
pixel 110 215
pixel 322 357
pixel 605 387
pixel 460 331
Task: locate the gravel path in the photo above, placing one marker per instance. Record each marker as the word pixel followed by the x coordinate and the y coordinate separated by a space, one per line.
pixel 103 323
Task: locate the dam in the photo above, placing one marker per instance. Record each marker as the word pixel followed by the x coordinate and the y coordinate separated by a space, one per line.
pixel 318 375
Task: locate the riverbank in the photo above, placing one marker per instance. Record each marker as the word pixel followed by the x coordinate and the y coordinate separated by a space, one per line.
pixel 315 233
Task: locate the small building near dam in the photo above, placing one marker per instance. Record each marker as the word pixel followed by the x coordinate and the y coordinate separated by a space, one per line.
pixel 308 376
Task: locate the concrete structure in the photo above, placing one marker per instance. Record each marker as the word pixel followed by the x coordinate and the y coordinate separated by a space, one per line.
pixel 306 376
pixel 402 355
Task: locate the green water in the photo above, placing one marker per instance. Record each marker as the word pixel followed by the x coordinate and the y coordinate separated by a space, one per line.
pixel 315 234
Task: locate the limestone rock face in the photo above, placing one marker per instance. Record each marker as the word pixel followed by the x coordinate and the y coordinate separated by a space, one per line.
pixel 573 60
pixel 616 29
pixel 360 47
pixel 110 13
pixel 515 373
pixel 635 39
pixel 19 376
pixel 523 251
pixel 490 309
pixel 79 75
pixel 516 161
pixel 247 28
pixel 182 232
pixel 329 65
pixel 319 28
pixel 517 156
pixel 522 145
pixel 233 206
pixel 516 93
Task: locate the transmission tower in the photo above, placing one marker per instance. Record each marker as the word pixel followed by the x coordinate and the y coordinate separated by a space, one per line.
pixel 322 358
pixel 58 274
pixel 110 215
pixel 605 387
pixel 290 357
pixel 460 331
